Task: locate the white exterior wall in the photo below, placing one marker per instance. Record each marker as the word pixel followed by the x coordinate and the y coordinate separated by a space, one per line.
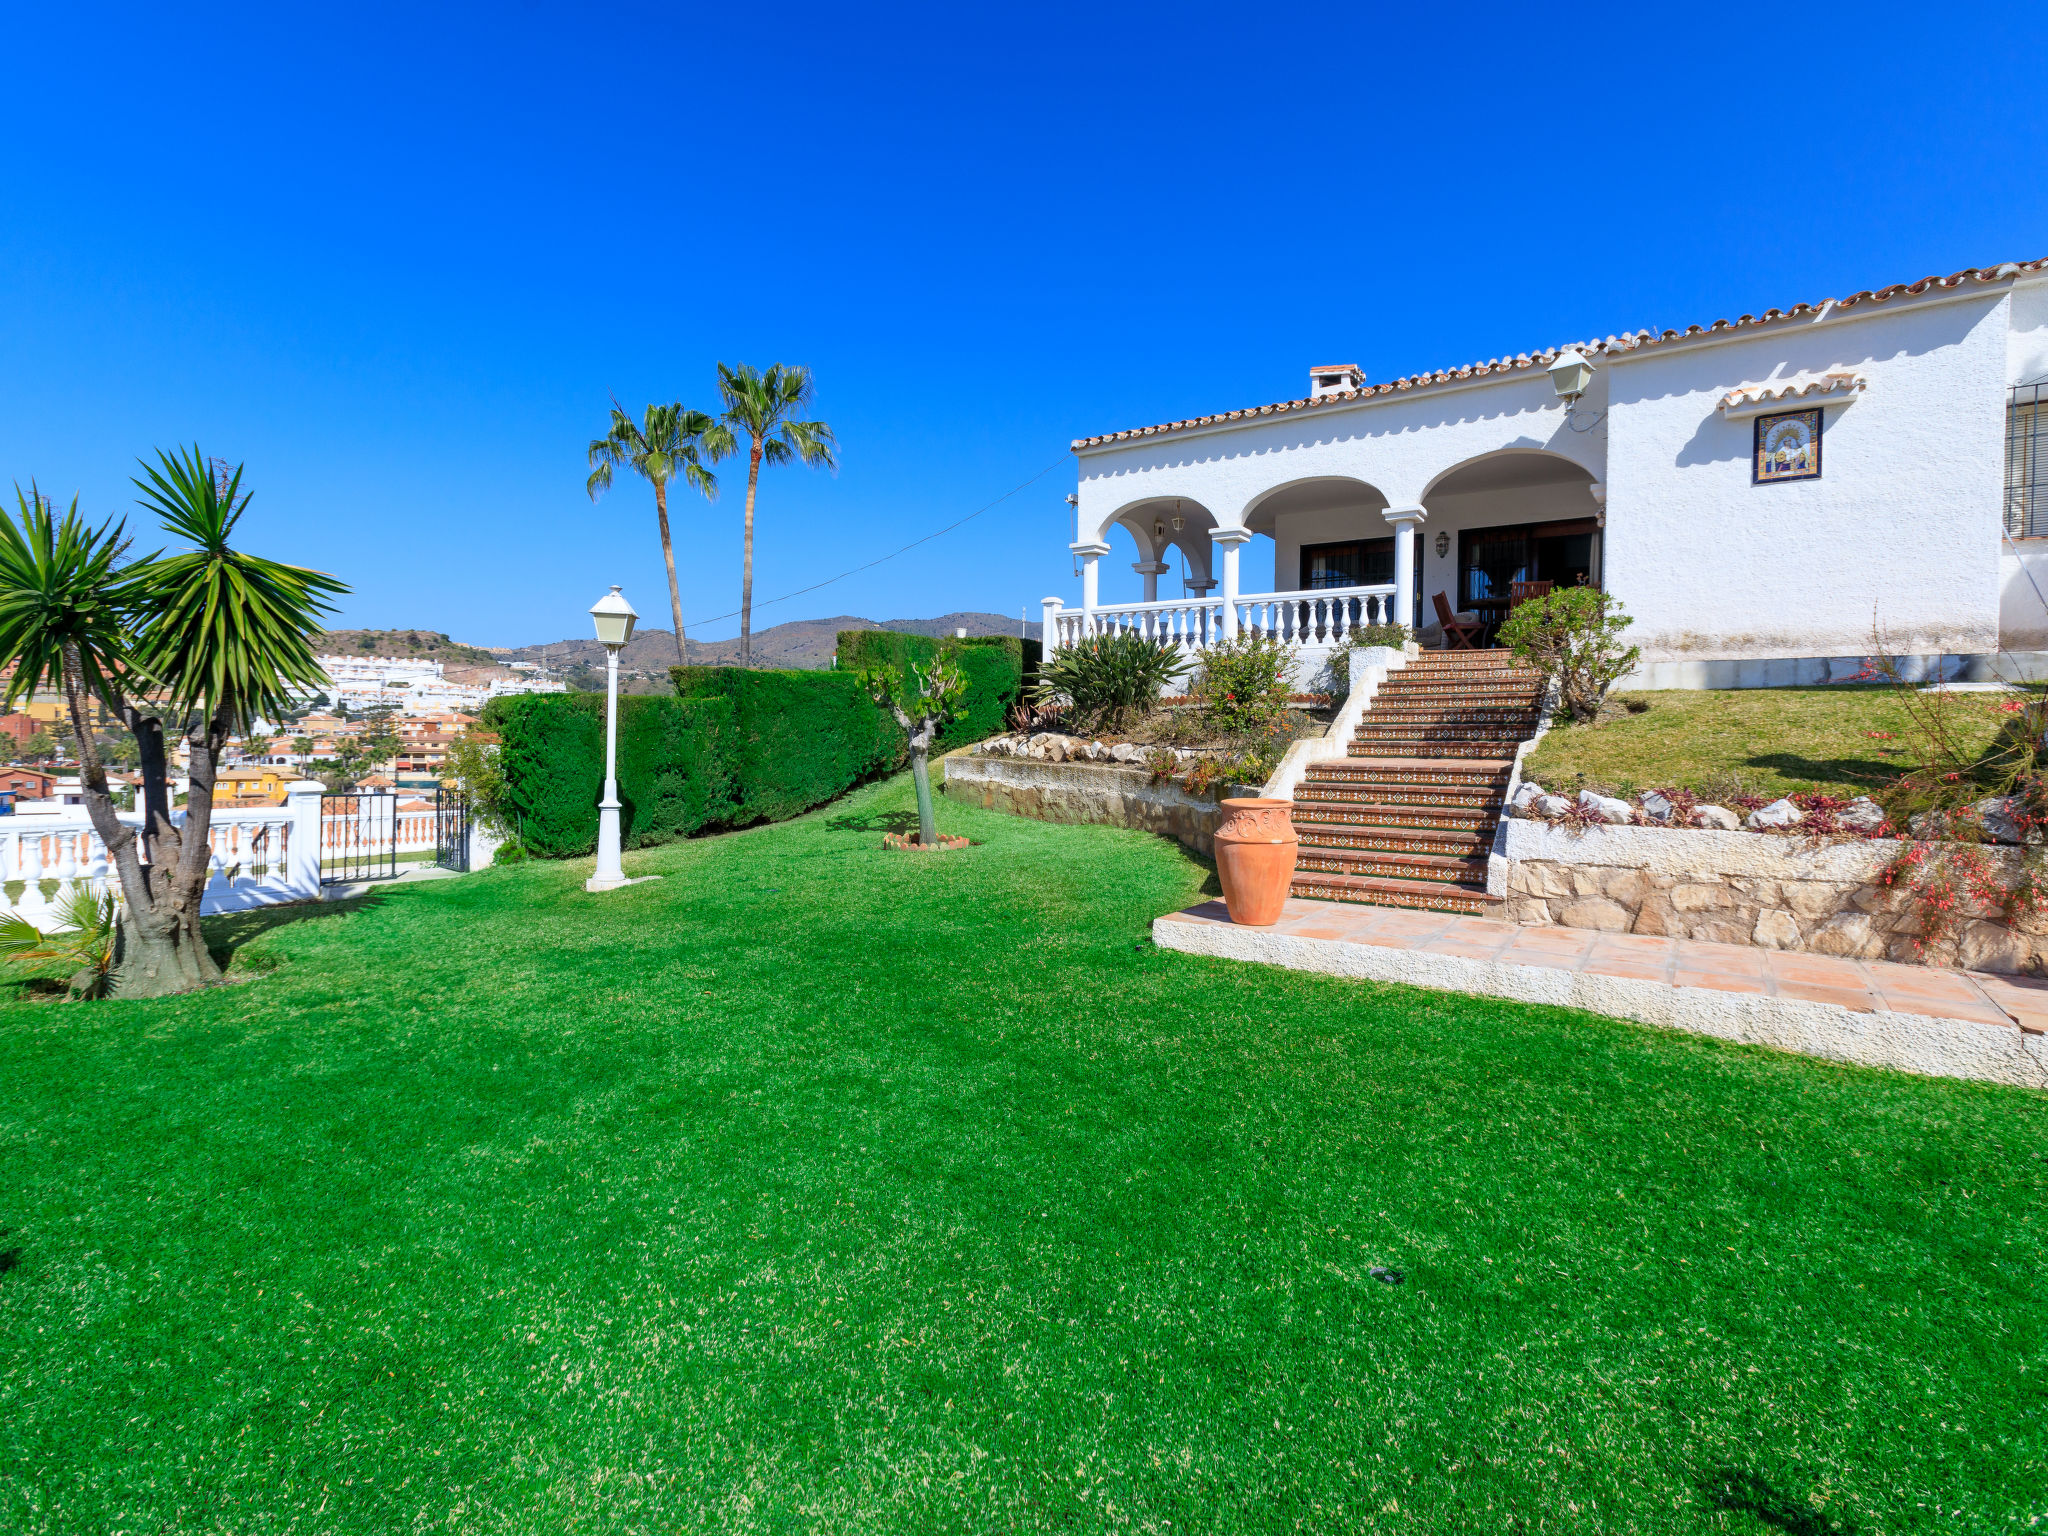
pixel 2027 350
pixel 1399 445
pixel 1904 523
pixel 1904 519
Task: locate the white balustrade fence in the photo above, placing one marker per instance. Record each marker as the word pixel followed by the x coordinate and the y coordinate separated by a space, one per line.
pixel 259 857
pixel 1322 619
pixel 1318 620
pixel 1187 623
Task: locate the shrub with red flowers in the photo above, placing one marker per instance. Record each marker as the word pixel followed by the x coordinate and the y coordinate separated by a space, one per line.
pixel 1244 686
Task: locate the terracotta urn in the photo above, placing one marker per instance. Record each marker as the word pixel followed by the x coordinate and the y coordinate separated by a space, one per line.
pixel 1255 848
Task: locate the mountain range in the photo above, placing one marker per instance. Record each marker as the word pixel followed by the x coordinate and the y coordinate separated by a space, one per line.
pixel 803 644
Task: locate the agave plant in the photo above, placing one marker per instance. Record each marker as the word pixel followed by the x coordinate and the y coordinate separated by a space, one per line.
pixel 1106 679
pixel 81 949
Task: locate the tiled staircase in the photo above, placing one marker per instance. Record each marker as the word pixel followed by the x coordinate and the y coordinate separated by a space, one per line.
pixel 1407 818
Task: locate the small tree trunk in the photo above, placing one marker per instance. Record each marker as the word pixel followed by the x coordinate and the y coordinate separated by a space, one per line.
pixel 747 560
pixel 921 776
pixel 668 553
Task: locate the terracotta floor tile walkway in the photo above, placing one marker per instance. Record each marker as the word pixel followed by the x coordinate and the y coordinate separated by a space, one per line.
pixel 1864 986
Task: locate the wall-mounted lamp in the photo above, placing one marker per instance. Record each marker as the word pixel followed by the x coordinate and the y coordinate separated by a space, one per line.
pixel 1570 375
pixel 1158 530
pixel 1443 544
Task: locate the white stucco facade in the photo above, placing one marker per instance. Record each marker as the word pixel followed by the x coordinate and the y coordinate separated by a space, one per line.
pixel 1644 485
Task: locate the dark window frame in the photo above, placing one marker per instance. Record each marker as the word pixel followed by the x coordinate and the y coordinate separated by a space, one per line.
pixel 1362 546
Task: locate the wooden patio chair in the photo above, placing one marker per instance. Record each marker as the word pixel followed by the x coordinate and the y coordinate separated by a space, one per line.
pixel 1459 632
pixel 1520 592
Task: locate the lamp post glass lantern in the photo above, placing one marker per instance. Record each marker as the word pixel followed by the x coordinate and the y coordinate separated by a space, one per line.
pixel 614 618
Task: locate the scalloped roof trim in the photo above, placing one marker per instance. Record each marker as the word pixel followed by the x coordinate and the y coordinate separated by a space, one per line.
pixel 1801 386
pixel 1625 342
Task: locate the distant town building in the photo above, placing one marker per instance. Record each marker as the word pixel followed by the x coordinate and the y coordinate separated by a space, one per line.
pixel 411 686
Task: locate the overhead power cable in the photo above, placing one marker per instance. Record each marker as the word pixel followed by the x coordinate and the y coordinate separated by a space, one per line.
pixel 906 549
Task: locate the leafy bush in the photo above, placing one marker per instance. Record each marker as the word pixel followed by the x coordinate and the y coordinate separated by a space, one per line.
pixel 675 768
pixel 797 738
pixel 994 668
pixel 1244 685
pixel 1106 679
pixel 1395 635
pixel 1574 635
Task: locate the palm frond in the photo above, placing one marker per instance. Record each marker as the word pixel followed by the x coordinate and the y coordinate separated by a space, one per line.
pixel 62 587
pixel 222 631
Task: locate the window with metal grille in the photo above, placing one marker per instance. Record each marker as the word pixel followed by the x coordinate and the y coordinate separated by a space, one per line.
pixel 2026 462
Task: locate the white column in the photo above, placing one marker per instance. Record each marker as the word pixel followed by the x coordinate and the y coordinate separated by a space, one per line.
pixel 1049 624
pixel 1090 554
pixel 1405 520
pixel 1151 570
pixel 302 854
pixel 1229 540
pixel 609 874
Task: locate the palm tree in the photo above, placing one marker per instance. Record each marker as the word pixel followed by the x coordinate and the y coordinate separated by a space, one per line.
pixel 210 638
pixel 671 438
pixel 763 406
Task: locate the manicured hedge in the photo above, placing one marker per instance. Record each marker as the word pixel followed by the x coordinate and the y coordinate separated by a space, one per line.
pixel 996 668
pixel 675 767
pixel 733 747
pixel 798 738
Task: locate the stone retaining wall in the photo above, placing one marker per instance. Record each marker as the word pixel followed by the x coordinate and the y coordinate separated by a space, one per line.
pixel 1088 794
pixel 1773 892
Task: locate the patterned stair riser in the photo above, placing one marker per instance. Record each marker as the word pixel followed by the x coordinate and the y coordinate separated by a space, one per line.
pixel 1449 842
pixel 1421 820
pixel 1395 866
pixel 1522 719
pixel 1451 898
pixel 1379 747
pixel 1416 836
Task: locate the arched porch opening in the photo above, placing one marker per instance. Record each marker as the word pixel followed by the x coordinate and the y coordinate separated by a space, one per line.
pixel 1327 532
pixel 1516 516
pixel 1169 536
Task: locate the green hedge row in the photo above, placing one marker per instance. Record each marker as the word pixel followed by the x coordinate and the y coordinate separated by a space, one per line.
pixel 996 668
pixel 798 738
pixel 675 767
pixel 733 746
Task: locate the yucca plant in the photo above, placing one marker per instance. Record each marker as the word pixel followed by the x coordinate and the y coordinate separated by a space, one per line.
pixel 201 641
pixel 1107 679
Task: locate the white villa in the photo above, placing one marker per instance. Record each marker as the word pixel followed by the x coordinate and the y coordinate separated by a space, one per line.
pixel 1756 492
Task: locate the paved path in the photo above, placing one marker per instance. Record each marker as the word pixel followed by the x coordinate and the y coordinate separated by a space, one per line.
pixel 1920 1018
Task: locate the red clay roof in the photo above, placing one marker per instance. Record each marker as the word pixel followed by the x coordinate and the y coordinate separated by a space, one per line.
pixel 1626 342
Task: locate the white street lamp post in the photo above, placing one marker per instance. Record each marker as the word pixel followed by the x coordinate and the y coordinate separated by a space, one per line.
pixel 614 618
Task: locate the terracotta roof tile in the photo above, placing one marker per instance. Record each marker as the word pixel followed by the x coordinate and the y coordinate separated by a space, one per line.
pixel 1626 342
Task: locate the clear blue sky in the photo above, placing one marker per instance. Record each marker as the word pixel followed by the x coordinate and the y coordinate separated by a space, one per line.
pixel 396 258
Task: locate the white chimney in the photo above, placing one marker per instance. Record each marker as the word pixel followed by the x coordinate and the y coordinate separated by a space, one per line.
pixel 1334 379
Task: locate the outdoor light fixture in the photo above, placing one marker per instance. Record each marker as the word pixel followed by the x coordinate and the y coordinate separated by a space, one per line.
pixel 1179 522
pixel 1443 544
pixel 1570 375
pixel 614 618
pixel 1158 529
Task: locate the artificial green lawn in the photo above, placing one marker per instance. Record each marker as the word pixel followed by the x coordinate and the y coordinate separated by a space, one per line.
pixel 815 1188
pixel 1844 740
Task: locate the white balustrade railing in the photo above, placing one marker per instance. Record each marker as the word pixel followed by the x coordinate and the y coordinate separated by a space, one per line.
pixel 1188 623
pixel 258 856
pixel 1326 618
pixel 1301 620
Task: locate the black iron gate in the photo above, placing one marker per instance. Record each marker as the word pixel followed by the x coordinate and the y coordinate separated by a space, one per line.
pixel 358 838
pixel 451 830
